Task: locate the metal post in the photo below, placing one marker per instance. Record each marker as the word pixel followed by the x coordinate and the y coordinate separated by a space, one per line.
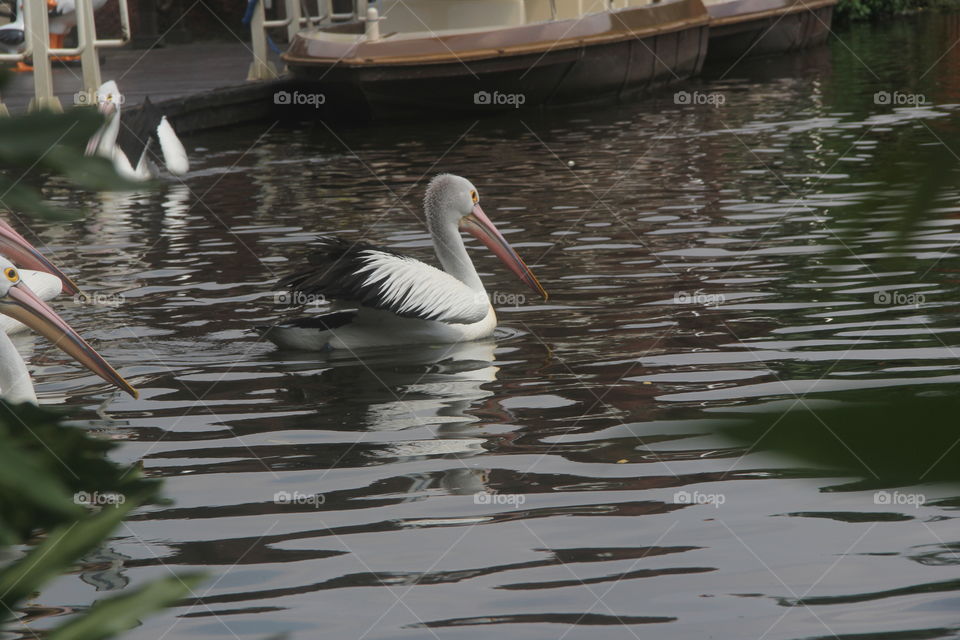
pixel 372 28
pixel 293 10
pixel 89 58
pixel 261 68
pixel 36 21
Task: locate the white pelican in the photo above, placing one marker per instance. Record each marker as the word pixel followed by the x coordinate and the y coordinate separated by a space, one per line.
pixel 121 144
pixel 62 16
pixel 20 303
pixel 19 250
pixel 11 37
pixel 384 298
pixel 42 276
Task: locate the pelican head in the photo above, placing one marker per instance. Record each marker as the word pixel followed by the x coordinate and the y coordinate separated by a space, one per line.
pixel 20 303
pixel 109 98
pixel 452 201
pixel 25 254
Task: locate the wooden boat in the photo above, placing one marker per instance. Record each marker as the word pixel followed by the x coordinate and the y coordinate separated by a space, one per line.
pixel 480 56
pixel 742 28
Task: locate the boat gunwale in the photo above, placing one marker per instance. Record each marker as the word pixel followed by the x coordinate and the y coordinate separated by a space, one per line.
pixel 797 7
pixel 701 19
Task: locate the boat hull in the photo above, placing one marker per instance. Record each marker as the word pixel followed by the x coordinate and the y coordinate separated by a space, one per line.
pixel 747 28
pixel 601 58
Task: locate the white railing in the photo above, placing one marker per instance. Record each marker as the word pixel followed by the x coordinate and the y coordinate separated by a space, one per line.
pixel 261 68
pixel 37 46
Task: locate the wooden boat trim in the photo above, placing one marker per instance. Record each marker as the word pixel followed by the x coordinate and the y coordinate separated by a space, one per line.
pixel 798 6
pixel 607 28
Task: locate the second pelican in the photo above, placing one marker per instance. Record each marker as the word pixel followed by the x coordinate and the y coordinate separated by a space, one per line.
pixel 385 298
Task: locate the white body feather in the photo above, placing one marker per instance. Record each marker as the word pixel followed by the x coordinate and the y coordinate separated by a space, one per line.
pixel 15 383
pixel 174 155
pixel 67 20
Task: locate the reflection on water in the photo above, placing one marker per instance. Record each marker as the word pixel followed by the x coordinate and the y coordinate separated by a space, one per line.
pixel 566 478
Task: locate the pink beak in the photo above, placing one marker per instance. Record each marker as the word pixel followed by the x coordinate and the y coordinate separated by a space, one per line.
pixel 23 304
pixel 479 225
pixel 15 247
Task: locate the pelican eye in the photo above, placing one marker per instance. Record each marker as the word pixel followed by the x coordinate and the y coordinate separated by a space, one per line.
pixel 474 197
pixel 11 274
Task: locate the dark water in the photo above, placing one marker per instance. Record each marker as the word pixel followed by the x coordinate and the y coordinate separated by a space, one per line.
pixel 698 257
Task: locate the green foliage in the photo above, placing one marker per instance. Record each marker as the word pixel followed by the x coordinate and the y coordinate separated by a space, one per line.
pixel 848 11
pixel 42 467
pixel 47 468
pixel 53 142
pixel 859 433
pixel 44 464
pixel 119 613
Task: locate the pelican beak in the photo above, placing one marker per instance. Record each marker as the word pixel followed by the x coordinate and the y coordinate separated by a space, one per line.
pixel 479 225
pixel 15 247
pixel 22 304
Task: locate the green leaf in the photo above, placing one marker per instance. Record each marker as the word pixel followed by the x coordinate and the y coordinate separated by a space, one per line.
pixel 111 616
pixel 20 474
pixel 27 138
pixel 60 550
pixel 19 197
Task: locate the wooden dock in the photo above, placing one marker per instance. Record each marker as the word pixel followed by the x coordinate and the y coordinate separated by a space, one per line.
pixel 198 86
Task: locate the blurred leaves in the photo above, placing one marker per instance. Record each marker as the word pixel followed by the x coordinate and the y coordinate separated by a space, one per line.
pixel 119 613
pixel 56 143
pixel 44 464
pixel 49 471
pixel 889 437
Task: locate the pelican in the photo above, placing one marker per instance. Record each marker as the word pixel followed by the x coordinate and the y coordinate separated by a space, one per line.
pixel 62 17
pixel 20 303
pixel 11 38
pixel 42 276
pixel 21 252
pixel 384 298
pixel 133 141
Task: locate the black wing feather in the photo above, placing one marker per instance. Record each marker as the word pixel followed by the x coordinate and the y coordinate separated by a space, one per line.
pixel 338 270
pixel 137 130
pixel 332 271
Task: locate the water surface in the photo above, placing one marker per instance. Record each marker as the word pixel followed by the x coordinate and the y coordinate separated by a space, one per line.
pixel 565 478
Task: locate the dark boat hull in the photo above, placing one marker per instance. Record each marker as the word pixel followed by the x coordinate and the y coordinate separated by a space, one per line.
pixel 747 28
pixel 611 57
